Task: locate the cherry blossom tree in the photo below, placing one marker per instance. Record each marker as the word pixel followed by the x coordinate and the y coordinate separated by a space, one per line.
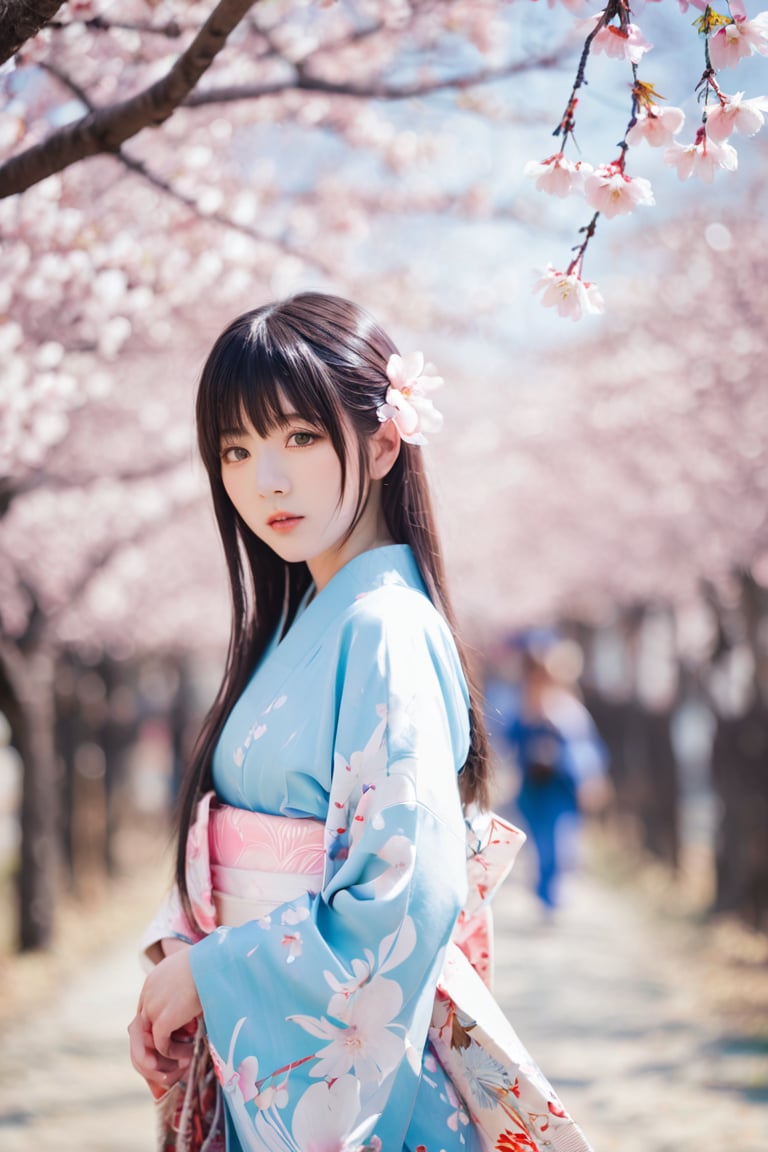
pixel 167 164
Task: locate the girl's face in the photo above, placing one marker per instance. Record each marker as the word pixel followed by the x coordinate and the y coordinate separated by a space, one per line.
pixel 286 486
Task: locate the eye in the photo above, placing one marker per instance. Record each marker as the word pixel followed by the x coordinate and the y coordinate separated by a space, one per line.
pixel 301 439
pixel 233 454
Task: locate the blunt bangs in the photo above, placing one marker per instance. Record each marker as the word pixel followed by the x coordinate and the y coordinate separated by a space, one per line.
pixel 258 372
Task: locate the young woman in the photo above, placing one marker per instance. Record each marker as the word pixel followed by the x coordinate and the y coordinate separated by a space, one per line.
pixel 337 800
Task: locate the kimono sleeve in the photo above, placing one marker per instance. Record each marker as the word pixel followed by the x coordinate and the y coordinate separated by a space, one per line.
pixel 318 1014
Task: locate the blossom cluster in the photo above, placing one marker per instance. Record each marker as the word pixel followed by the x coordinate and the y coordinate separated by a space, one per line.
pixel 607 187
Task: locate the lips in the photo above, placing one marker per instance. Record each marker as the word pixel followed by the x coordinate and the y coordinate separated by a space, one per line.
pixel 283 521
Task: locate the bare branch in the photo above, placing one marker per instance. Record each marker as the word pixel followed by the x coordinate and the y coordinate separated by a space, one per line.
pixel 105 130
pixel 20 20
pixel 67 82
pixel 172 29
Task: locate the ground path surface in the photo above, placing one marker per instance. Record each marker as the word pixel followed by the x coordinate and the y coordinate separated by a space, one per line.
pixel 607 1003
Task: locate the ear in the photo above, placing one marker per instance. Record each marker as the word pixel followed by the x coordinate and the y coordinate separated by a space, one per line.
pixel 384 449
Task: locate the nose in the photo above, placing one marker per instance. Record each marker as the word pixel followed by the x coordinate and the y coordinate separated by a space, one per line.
pixel 271 478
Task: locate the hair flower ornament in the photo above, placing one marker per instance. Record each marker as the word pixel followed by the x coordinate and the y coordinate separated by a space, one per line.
pixel 407 401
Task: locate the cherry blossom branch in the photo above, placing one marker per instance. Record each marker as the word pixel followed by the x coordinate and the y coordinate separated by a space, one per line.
pixel 705 25
pixel 11 489
pixel 107 129
pixel 613 8
pixel 20 20
pixel 305 82
pixel 99 559
pixel 575 266
pixel 356 36
pixel 139 168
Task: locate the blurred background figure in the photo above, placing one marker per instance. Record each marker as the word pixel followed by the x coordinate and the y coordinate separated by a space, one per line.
pixel 560 758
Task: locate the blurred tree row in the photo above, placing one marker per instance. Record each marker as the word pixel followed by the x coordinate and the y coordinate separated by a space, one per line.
pixel 687 728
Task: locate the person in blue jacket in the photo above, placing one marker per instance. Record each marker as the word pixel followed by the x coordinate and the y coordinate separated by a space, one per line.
pixel 561 758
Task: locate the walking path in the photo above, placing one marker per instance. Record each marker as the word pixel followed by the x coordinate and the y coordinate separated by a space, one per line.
pixel 607 1003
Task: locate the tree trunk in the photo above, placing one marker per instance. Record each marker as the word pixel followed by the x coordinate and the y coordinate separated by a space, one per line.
pixel 27 682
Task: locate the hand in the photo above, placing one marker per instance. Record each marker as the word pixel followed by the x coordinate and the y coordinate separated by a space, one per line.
pixel 160 1072
pixel 168 1002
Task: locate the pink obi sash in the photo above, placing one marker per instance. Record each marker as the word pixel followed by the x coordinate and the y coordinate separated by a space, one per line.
pixel 259 862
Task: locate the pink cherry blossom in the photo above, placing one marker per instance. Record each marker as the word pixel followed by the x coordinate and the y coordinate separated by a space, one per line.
pixel 571 295
pixel 557 175
pixel 656 126
pixel 622 44
pixel 736 115
pixel 613 193
pixel 407 402
pixel 701 159
pixel 735 41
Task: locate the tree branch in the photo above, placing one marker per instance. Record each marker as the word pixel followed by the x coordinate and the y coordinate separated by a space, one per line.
pixel 20 20
pixel 140 169
pixel 67 82
pixel 306 83
pixel 172 29
pixel 101 557
pixel 105 130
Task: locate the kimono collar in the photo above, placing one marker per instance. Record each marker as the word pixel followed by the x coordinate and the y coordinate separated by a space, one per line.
pixel 376 568
pixel 392 564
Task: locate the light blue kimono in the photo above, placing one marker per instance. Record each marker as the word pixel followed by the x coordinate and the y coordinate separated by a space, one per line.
pixel 358 717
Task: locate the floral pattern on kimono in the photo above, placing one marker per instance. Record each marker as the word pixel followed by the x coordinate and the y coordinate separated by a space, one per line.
pixel 371 734
pixel 318 1014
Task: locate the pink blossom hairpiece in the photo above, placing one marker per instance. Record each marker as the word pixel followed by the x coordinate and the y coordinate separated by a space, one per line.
pixel 407 401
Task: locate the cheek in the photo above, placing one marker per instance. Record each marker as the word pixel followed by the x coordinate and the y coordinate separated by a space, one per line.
pixel 321 478
pixel 235 492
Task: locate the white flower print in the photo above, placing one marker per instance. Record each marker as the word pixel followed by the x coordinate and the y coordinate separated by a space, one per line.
pixel 487 1078
pixel 393 950
pixel 366 1043
pixel 363 767
pixel 400 854
pixel 294 944
pixel 345 991
pixel 325 1113
pixel 276 1095
pixel 294 915
pixel 458 1117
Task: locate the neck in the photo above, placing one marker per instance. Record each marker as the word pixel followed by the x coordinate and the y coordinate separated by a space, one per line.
pixel 369 532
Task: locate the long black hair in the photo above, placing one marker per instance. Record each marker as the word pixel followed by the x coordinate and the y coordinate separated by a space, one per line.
pixel 325 358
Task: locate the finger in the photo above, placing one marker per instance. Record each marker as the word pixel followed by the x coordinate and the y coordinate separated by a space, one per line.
pixel 187 1031
pixel 161 1038
pixel 147 1061
pixel 180 1051
pixel 159 1082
